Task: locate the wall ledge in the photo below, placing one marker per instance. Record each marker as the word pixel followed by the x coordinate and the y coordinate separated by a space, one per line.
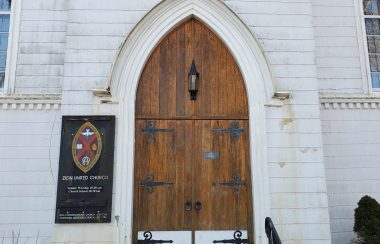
pixel 30 102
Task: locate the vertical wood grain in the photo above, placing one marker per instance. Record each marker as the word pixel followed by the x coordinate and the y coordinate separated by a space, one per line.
pixel 163 87
pixel 178 156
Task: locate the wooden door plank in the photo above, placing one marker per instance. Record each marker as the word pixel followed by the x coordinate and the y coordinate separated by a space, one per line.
pixel 205 101
pixel 189 105
pixel 172 73
pixel 197 147
pixel 230 80
pixel 197 56
pixel 203 174
pixel 146 82
pixel 222 55
pixel 161 168
pixel 141 167
pixel 241 102
pixel 181 72
pixel 163 77
pixel 215 175
pixel 153 83
pixel 214 79
pixel 188 171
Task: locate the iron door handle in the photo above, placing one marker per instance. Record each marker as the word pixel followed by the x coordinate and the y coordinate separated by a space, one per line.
pixel 188 206
pixel 198 205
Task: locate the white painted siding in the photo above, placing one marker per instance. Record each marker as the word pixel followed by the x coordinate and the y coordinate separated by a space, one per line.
pixel 95 31
pixel 41 47
pixel 69 46
pixel 351 141
pixel 29 151
pixel 336 46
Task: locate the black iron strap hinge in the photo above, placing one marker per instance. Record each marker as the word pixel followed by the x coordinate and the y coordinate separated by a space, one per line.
pixel 152 130
pixel 236 183
pixel 148 183
pixel 234 130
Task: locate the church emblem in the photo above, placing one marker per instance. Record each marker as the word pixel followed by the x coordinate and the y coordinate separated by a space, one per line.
pixel 86 147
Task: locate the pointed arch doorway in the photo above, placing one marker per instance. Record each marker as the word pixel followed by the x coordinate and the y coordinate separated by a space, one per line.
pixel 192 165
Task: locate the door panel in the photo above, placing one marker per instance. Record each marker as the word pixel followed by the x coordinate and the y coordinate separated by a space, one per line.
pixel 163 175
pixel 222 182
pixel 191 151
pixel 202 162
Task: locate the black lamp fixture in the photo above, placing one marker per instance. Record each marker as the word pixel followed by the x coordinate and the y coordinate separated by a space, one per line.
pixel 193 81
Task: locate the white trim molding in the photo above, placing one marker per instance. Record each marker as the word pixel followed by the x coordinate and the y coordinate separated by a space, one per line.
pixel 12 50
pixel 349 101
pixel 363 47
pixel 30 102
pixel 125 76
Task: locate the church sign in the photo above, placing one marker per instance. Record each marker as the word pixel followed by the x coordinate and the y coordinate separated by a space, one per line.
pixel 84 192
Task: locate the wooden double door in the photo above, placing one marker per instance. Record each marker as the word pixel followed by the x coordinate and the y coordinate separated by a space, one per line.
pixel 192 163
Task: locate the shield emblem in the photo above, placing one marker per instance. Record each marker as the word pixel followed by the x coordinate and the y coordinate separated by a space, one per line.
pixel 86 147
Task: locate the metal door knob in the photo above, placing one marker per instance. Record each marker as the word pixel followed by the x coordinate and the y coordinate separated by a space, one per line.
pixel 198 205
pixel 188 206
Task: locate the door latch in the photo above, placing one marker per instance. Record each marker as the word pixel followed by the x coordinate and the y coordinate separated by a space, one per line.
pixel 188 206
pixel 198 205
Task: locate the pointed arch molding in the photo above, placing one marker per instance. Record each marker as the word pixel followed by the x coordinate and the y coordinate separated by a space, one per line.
pixel 124 81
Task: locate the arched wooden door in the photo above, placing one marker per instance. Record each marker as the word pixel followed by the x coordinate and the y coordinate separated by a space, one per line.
pixel 192 167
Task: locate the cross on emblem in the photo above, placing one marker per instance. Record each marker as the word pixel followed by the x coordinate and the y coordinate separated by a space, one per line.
pixel 86 146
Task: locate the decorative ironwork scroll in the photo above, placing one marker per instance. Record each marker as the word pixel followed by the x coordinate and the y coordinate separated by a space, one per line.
pixel 148 183
pixel 237 239
pixel 236 183
pixel 152 130
pixel 148 239
pixel 234 130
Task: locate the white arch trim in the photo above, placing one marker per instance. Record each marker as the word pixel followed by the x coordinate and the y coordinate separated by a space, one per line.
pixel 124 81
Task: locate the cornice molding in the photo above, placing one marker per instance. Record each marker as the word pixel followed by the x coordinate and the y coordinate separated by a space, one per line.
pixel 349 101
pixel 30 102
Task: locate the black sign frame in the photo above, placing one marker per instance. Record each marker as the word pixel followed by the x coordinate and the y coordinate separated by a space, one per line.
pixel 85 195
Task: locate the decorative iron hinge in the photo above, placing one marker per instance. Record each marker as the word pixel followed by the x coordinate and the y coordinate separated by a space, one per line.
pixel 148 239
pixel 152 130
pixel 237 239
pixel 235 183
pixel 234 130
pixel 148 183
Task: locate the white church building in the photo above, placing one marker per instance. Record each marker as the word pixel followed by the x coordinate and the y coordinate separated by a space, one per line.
pixel 187 121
